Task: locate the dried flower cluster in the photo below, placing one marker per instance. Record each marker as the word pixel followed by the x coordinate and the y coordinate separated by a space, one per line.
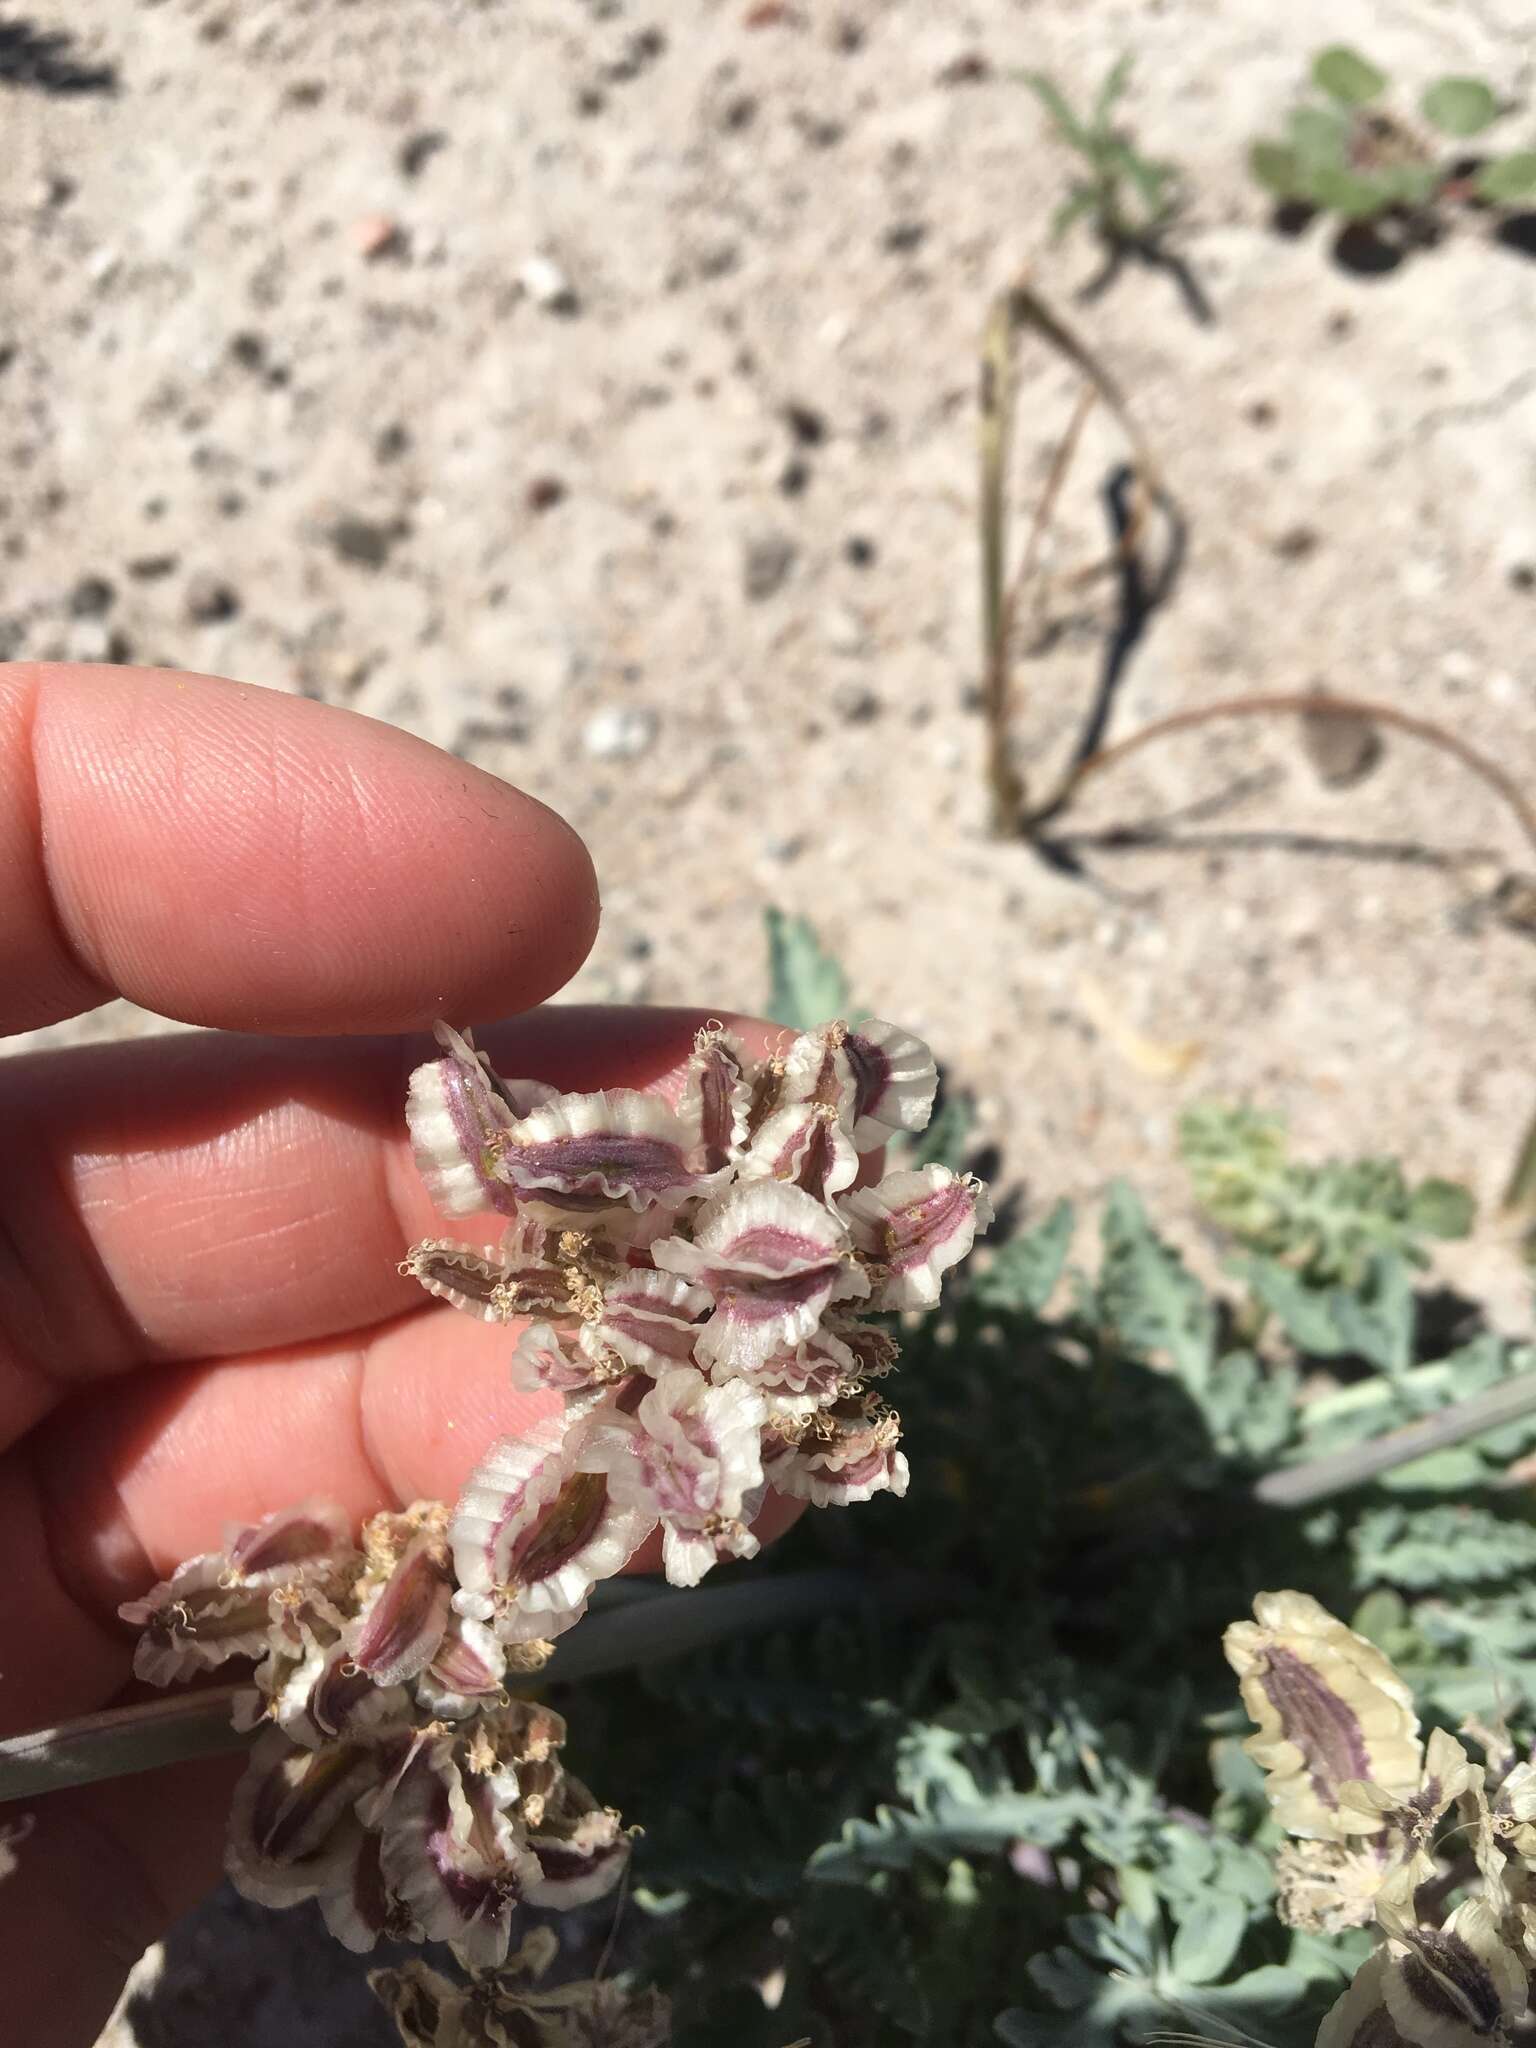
pixel 1389 1831
pixel 691 1282
pixel 395 1778
pixel 697 1275
pixel 510 2010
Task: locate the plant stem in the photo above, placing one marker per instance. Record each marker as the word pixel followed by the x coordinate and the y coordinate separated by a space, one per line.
pixel 1045 505
pixel 112 1744
pixel 1016 311
pixel 1310 703
pixel 639 1623
pixel 1520 1195
pixel 996 434
pixel 1298 1485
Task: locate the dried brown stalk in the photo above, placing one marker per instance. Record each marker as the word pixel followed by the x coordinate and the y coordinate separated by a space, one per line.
pixel 1298 1486
pixel 1311 703
pixel 1018 311
pixel 1021 310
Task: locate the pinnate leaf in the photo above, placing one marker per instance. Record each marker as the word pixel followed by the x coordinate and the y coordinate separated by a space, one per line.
pixel 1024 1272
pixel 806 985
pixel 1206 1942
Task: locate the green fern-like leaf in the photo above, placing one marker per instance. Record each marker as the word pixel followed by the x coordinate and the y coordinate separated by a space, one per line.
pixel 747 1842
pixel 1373 1320
pixel 896 1839
pixel 1148 1296
pixel 1440 1546
pixel 809 1680
pixel 1325 1221
pixel 860 1941
pixel 1024 1274
pixel 806 986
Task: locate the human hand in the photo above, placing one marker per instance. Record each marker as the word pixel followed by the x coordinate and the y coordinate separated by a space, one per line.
pixel 200 1314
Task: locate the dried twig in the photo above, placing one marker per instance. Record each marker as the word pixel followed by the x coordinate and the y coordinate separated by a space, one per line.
pixel 1520 1195
pixel 1299 1485
pixel 1291 702
pixel 996 429
pixel 1045 506
pixel 639 1622
pixel 1015 312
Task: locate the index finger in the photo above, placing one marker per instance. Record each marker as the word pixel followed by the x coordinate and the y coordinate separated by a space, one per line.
pixel 228 855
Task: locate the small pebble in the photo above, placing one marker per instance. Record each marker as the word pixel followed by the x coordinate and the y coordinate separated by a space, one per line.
pixel 818 130
pixel 547 285
pixel 843 630
pixel 856 703
pixel 377 235
pixel 620 732
pixel 417 151
pixel 88 640
pixel 1457 666
pixel 640 49
pixel 806 425
pixel 543 493
pixel 1343 749
pixel 364 541
pixel 969 68
pixel 767 559
pixel 249 350
pixel 210 600
pixel 1295 544
pixel 91 598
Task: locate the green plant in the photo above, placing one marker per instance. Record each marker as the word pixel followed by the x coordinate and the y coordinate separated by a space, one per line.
pixel 1328 1220
pixel 1344 152
pixel 970 1767
pixel 1002 1793
pixel 1130 199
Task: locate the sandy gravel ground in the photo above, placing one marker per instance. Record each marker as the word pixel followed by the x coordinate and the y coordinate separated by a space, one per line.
pixel 677 527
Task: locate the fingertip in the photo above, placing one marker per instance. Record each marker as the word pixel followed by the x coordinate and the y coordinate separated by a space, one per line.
pixel 233 856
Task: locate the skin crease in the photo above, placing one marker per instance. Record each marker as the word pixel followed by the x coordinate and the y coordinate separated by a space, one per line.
pixel 200 1316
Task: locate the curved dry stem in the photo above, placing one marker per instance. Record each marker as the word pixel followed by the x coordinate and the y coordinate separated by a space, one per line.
pixel 1298 702
pixel 1016 311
